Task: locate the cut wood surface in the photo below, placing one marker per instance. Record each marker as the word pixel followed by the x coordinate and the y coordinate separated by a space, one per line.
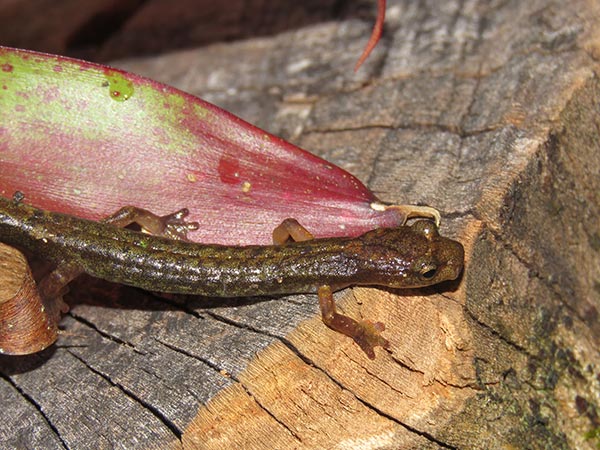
pixel 487 111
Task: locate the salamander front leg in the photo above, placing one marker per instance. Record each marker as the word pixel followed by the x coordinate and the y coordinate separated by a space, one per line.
pixel 290 230
pixel 365 333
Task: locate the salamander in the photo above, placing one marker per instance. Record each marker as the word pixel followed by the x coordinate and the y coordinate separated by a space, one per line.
pixel 407 256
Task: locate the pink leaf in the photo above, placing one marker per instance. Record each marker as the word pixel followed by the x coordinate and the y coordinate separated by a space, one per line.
pixel 87 139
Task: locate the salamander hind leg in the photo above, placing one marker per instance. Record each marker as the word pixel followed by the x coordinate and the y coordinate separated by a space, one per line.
pixel 365 333
pixel 54 286
pixel 172 226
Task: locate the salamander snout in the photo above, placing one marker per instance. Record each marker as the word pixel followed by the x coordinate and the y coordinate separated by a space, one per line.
pixel 443 260
pixel 410 256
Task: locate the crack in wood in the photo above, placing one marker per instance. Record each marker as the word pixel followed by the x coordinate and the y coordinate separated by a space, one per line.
pixel 414 430
pixel 270 414
pixel 533 271
pixel 37 407
pixel 172 427
pixel 104 334
pixel 220 370
pixel 288 344
pixel 244 326
pixel 497 334
pixel 412 126
pixel 339 384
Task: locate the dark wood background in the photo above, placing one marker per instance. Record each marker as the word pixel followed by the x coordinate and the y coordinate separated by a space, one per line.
pixel 485 110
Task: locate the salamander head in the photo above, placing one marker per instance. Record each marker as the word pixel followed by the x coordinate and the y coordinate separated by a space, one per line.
pixel 411 256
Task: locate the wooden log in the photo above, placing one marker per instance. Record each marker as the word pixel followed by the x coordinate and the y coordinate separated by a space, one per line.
pixel 487 111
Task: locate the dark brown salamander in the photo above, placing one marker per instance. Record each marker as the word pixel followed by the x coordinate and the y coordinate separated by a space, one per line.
pixel 402 257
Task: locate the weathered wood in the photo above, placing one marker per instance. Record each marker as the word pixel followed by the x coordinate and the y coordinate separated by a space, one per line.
pixel 488 111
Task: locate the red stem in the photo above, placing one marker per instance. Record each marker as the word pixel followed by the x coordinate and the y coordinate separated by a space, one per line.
pixel 375 34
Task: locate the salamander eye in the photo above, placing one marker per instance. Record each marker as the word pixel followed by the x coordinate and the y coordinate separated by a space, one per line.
pixel 428 272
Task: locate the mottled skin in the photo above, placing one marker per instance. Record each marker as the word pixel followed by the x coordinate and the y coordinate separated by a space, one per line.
pixel 402 257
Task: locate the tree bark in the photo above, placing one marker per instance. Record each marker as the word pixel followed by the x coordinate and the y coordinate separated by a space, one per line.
pixel 487 111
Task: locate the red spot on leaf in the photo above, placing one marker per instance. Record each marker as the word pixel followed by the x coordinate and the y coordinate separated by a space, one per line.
pixel 229 170
pixel 7 67
pixel 57 68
